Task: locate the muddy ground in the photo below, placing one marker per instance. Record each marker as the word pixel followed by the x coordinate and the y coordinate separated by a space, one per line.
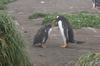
pixel 53 55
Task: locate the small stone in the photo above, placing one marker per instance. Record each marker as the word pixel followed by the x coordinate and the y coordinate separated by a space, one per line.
pixel 25 31
pixel 42 2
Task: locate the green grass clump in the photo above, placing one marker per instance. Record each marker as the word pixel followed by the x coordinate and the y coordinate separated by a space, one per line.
pixel 3 2
pixel 49 19
pixel 6 1
pixel 90 59
pixel 11 44
pixel 84 20
pixel 77 20
pixel 2 6
pixel 37 15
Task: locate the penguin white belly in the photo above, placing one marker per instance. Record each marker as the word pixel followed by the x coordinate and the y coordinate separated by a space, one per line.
pixel 49 32
pixel 61 30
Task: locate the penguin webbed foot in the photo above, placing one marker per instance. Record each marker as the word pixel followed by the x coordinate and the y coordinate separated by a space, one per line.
pixel 43 46
pixel 64 46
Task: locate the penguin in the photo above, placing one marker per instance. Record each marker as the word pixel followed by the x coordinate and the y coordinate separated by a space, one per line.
pixel 65 30
pixel 93 3
pixel 96 3
pixel 42 35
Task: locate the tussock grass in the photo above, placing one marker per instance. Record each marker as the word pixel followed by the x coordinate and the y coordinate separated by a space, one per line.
pixel 3 2
pixel 90 59
pixel 11 44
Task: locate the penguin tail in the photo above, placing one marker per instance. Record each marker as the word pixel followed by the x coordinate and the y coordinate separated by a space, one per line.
pixel 79 42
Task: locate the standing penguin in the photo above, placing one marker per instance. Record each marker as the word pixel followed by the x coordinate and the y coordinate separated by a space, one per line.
pixel 66 30
pixel 96 3
pixel 42 35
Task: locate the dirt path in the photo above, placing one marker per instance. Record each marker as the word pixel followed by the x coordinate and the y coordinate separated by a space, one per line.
pixel 54 55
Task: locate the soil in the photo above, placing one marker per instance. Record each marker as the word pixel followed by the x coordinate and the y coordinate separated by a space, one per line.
pixel 53 55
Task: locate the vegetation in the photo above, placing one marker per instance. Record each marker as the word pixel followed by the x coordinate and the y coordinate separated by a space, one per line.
pixel 49 19
pixel 37 15
pixel 84 20
pixel 90 59
pixel 3 2
pixel 11 43
pixel 78 20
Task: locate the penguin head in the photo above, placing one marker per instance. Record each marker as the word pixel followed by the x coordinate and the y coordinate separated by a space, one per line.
pixel 63 19
pixel 47 27
pixel 60 18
